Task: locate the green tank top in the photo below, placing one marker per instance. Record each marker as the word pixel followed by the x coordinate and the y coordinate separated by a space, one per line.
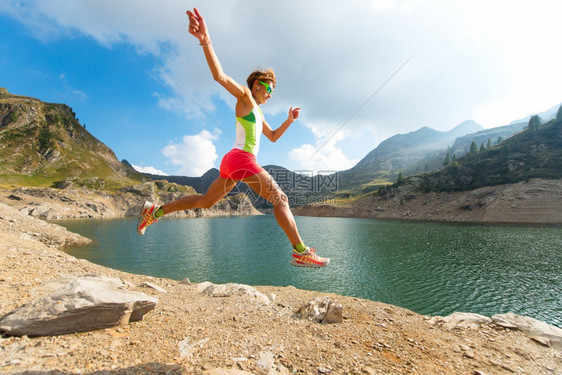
pixel 248 131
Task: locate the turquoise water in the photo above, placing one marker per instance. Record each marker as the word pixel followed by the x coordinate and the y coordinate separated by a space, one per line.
pixel 430 268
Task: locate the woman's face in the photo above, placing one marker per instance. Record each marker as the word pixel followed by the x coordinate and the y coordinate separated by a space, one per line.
pixel 264 90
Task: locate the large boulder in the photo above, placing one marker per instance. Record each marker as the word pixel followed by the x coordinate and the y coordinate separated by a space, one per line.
pixel 323 310
pixel 77 304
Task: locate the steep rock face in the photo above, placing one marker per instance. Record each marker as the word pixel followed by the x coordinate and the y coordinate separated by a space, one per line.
pixel 44 142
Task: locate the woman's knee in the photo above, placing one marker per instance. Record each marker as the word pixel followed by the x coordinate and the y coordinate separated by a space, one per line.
pixel 217 191
pixel 207 202
pixel 279 198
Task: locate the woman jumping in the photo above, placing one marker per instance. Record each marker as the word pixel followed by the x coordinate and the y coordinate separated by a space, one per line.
pixel 240 163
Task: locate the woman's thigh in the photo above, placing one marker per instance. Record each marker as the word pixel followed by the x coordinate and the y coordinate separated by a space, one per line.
pixel 265 186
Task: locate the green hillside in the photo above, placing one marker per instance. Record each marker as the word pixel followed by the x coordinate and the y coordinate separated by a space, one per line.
pixel 535 152
pixel 43 144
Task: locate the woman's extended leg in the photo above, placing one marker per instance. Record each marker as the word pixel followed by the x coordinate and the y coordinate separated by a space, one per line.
pixel 218 190
pixel 150 213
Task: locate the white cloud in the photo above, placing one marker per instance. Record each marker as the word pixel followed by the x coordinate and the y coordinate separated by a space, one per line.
pixel 195 154
pixel 70 91
pixel 323 158
pixel 150 170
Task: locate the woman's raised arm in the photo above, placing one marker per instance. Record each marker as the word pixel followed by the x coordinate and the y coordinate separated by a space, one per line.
pixel 198 28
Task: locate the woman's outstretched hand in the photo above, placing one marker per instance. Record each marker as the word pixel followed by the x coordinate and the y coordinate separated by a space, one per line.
pixel 197 26
pixel 294 113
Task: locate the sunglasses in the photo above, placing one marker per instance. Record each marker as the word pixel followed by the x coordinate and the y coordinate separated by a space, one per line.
pixel 268 88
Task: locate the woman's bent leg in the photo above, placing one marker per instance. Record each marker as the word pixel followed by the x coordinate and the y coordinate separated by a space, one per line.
pixel 264 185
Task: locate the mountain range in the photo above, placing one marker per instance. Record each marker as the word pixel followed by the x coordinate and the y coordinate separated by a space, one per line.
pixel 419 151
pixel 43 144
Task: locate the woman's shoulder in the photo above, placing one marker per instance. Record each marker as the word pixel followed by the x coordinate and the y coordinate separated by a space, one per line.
pixel 245 104
pixel 248 98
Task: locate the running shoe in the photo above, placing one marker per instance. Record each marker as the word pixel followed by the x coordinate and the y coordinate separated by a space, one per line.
pixel 309 259
pixel 145 217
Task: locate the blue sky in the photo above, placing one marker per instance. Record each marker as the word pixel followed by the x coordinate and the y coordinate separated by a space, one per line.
pixel 125 66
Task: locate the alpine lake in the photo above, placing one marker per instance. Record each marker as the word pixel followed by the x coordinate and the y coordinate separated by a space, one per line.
pixel 428 267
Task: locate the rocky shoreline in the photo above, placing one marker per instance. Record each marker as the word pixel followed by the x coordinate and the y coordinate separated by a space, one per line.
pixel 537 201
pixel 192 331
pixel 78 202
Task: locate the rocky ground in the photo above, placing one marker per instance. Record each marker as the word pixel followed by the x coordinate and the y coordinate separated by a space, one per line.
pixel 190 332
pixel 533 202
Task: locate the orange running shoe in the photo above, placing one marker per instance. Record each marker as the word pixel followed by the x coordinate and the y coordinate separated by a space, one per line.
pixel 308 259
pixel 145 217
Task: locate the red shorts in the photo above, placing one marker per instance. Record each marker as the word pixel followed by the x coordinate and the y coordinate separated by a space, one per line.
pixel 239 164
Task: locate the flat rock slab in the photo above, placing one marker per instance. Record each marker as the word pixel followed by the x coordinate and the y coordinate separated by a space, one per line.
pixel 543 333
pixel 77 304
pixel 231 289
pixel 540 332
pixel 461 320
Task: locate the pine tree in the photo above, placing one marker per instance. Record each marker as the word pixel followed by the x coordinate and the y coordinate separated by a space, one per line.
pixel 447 160
pixel 489 144
pixel 45 139
pixel 535 123
pixel 473 149
pixel 454 162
